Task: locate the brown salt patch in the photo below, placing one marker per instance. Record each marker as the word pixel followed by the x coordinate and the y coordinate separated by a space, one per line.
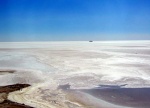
pixel 2 72
pixel 11 88
pixel 10 104
pixel 4 91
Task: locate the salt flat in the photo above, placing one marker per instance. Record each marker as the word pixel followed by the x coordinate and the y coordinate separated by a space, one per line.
pixel 84 65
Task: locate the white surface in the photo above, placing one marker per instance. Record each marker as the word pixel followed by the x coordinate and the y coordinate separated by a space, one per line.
pixel 83 64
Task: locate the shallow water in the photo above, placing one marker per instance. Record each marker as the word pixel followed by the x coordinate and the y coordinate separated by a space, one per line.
pixel 130 97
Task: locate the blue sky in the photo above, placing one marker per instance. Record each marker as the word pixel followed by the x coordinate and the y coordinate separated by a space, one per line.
pixel 48 20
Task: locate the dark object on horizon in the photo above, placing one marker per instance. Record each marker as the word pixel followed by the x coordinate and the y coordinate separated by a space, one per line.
pixel 90 41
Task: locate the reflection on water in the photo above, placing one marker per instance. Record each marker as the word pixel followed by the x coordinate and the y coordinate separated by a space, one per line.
pixel 132 97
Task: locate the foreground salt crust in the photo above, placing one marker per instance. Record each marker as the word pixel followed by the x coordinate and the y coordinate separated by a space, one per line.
pixel 39 96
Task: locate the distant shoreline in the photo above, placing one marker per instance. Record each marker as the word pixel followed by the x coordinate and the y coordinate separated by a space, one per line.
pixel 72 41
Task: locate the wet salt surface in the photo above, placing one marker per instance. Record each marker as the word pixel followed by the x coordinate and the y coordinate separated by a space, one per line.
pixel 118 95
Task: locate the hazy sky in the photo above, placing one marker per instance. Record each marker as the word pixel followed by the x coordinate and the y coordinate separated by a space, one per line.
pixel 39 20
